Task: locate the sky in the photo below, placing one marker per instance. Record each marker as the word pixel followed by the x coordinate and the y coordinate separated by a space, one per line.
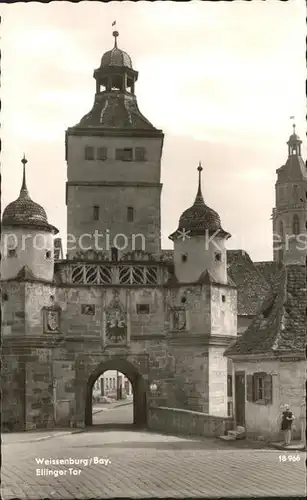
pixel 220 79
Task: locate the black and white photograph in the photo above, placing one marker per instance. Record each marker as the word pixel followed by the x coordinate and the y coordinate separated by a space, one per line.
pixel 153 249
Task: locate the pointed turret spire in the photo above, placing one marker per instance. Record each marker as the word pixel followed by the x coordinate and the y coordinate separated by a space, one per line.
pixel 199 196
pixel 24 188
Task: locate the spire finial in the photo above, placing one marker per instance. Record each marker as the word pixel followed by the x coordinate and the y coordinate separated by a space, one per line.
pixel 293 123
pixel 24 161
pixel 199 197
pixel 115 34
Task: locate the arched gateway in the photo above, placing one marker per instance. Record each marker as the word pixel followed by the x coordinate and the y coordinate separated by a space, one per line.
pixel 138 385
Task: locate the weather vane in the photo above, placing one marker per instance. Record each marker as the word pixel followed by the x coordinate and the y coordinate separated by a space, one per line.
pixel 293 123
pixel 115 34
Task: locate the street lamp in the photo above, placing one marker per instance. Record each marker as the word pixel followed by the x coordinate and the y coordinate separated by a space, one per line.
pixel 153 387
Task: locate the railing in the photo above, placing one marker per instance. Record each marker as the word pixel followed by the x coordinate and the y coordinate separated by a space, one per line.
pixel 108 274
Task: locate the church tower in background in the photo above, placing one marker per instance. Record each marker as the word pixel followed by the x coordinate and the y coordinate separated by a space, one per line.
pixel 290 212
pixel 114 168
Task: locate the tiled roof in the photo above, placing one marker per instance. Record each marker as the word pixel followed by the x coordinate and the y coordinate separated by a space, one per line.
pixel 25 212
pixel 116 57
pixel 281 324
pixel 252 287
pixel 268 269
pixel 115 110
pixel 199 218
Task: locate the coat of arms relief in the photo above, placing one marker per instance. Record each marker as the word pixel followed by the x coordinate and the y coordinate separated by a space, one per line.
pixel 51 320
pixel 178 319
pixel 116 321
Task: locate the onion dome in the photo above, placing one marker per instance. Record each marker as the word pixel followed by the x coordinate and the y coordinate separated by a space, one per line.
pixel 199 219
pixel 24 211
pixel 116 56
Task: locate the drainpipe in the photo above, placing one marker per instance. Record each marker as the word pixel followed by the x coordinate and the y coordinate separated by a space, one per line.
pixel 54 384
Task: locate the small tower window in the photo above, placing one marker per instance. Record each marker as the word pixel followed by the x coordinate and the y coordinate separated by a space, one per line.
pixel 96 212
pixel 218 257
pixel 124 154
pixel 48 254
pixel 114 254
pixel 140 154
pixel 223 298
pixel 11 253
pixel 89 153
pixel 296 225
pixel 184 258
pixel 130 214
pixel 102 154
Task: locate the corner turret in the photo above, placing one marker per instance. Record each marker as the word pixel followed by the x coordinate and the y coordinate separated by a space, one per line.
pixel 27 238
pixel 199 243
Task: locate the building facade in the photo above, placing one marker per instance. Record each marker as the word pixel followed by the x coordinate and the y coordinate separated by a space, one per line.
pixel 163 318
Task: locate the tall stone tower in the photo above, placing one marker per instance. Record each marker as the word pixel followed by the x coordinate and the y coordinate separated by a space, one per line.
pixel 290 212
pixel 113 168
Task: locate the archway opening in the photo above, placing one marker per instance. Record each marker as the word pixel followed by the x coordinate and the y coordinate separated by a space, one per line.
pixel 112 399
pixel 125 397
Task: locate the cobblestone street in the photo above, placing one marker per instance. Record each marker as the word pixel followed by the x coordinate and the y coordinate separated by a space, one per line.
pixel 143 464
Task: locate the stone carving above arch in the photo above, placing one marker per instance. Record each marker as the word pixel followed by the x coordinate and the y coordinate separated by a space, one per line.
pixel 116 324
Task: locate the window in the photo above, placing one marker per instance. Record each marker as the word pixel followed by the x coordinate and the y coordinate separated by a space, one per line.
pixel 295 194
pixel 184 258
pixel 281 229
pixel 296 225
pixel 229 386
pixel 218 257
pixel 223 298
pixel 142 308
pixel 140 154
pixel 229 409
pixel 102 154
pixel 124 154
pixel 107 383
pixel 95 212
pixel 114 253
pixel 12 252
pixel 130 214
pixel 259 388
pixel 48 255
pixel 89 153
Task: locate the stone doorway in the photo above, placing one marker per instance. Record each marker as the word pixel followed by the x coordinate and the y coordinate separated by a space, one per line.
pixel 138 388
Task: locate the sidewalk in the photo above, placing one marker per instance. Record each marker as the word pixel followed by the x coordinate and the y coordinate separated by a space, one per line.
pixel 35 435
pixel 294 446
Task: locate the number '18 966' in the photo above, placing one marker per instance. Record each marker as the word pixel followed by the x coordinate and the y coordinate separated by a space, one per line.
pixel 289 458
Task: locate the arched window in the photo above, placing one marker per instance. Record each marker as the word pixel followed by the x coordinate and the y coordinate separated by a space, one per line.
pixel 296 225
